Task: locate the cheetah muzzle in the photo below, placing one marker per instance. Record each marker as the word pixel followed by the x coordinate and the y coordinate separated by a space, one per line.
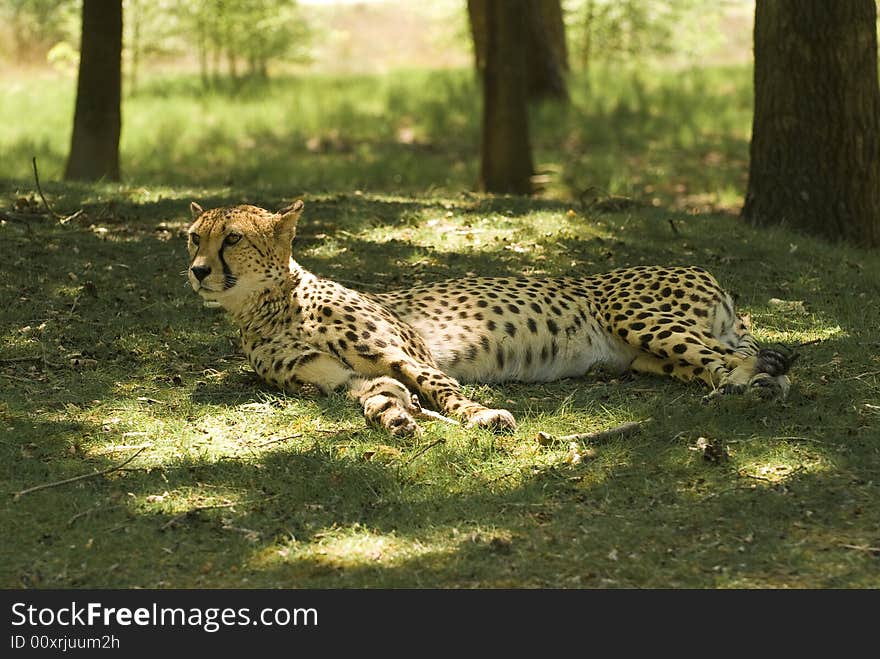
pixel 391 350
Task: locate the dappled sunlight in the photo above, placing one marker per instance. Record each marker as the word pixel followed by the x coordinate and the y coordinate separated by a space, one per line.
pixel 176 503
pixel 340 548
pixel 774 473
pixel 448 232
pixel 796 337
pixel 140 449
pixel 241 485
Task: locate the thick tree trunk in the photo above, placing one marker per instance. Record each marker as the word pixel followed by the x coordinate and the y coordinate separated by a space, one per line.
pixel 546 52
pixel 94 147
pixel 506 155
pixel 815 151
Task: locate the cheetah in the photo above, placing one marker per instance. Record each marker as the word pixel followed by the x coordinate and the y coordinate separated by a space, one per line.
pixel 394 351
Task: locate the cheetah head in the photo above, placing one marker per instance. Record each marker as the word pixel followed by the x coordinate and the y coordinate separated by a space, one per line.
pixel 239 250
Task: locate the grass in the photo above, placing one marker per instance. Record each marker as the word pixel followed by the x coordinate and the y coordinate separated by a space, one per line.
pixel 670 138
pixel 104 350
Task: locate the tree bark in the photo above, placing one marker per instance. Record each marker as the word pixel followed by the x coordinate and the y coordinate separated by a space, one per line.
pixel 546 52
pixel 97 122
pixel 815 150
pixel 477 15
pixel 506 154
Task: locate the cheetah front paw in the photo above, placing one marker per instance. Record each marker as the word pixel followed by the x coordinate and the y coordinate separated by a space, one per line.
pixel 383 411
pixel 775 362
pixel 388 404
pixel 494 420
pixel 770 387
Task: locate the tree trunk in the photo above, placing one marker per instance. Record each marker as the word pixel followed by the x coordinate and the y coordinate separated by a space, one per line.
pixel 587 45
pixel 97 122
pixel 203 58
pixel 233 64
pixel 547 53
pixel 135 13
pixel 544 44
pixel 506 155
pixel 815 151
pixel 477 15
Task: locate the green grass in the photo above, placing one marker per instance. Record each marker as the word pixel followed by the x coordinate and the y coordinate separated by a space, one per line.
pixel 678 138
pixel 104 349
pixel 308 496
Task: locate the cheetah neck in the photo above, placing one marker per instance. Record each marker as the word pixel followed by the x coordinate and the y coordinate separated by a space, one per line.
pixel 265 312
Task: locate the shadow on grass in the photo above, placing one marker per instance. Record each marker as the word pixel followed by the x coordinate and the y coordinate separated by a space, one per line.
pixel 646 512
pixel 312 518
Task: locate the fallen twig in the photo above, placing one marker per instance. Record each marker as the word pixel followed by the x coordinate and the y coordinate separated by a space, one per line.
pixel 90 511
pixel 73 307
pixel 424 449
pixel 61 218
pixel 861 375
pixel 865 548
pixel 45 486
pixel 278 439
pixel 126 447
pixel 623 429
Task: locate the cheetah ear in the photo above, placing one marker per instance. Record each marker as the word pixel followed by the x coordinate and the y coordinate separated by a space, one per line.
pixel 289 217
pixel 195 209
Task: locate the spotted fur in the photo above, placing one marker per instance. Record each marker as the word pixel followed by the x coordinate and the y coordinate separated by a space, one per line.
pixel 391 350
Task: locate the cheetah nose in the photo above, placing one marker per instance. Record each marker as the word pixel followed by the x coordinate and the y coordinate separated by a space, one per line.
pixel 200 271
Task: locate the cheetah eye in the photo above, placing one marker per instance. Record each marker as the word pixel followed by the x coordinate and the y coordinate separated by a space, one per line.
pixel 232 238
pixel 194 237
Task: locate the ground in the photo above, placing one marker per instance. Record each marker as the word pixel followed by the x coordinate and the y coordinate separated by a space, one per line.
pixel 106 351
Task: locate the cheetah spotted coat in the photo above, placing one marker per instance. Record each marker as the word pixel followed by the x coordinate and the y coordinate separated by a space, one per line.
pixel 393 352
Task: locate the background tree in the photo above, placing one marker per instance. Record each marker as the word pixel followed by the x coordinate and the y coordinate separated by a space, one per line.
pixel 547 52
pixel 815 150
pixel 632 32
pixel 245 34
pixel 505 153
pixel 94 148
pixel 544 45
pixel 34 26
